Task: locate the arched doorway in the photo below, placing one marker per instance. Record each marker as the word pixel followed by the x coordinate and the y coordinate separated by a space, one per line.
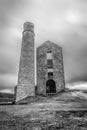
pixel 50 86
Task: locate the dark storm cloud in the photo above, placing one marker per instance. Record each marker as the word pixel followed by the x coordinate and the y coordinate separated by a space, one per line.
pixel 75 53
pixel 62 21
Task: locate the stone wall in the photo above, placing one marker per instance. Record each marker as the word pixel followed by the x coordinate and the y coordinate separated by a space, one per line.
pixel 58 69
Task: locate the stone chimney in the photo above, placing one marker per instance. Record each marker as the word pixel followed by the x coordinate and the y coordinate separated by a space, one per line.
pixel 26 74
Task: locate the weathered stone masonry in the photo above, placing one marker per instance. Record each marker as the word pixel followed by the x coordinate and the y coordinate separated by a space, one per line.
pixel 50 70
pixel 26 83
pixel 42 69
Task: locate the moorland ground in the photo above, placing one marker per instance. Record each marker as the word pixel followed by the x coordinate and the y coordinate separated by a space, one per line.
pixel 66 111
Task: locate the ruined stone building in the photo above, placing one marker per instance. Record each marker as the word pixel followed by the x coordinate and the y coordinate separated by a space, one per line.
pixel 50 71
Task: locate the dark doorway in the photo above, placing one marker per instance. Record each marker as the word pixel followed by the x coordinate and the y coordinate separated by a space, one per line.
pixel 50 86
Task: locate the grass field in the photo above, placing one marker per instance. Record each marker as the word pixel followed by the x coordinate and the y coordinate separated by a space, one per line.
pixel 66 111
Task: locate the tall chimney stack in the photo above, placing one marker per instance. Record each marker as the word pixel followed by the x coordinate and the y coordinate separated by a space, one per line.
pixel 26 74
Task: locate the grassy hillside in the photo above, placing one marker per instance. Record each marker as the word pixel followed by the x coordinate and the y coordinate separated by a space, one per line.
pixel 45 120
pixel 6 97
pixel 66 111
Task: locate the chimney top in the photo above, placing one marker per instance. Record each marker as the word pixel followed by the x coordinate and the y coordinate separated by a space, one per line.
pixel 28 26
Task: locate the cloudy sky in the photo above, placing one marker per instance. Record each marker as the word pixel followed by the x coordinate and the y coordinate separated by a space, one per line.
pixel 61 21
